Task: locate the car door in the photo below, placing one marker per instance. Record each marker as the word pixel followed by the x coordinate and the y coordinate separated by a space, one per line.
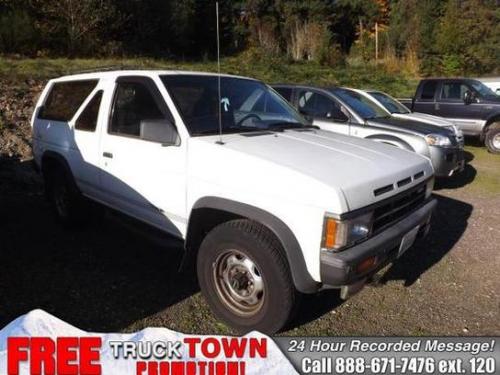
pixel 143 178
pixel 451 105
pixel 324 110
pixel 86 137
pixel 425 100
pixel 58 126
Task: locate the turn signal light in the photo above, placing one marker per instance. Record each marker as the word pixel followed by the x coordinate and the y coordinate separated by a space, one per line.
pixel 330 233
pixel 366 265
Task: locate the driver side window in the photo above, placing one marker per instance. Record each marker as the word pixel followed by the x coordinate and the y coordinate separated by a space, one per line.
pixel 133 103
pixel 320 107
pixel 453 91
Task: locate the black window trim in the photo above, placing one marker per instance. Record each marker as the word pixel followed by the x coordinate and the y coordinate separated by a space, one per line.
pixel 40 113
pixel 84 106
pixel 157 97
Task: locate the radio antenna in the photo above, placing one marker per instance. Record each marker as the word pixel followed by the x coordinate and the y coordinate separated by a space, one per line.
pixel 218 75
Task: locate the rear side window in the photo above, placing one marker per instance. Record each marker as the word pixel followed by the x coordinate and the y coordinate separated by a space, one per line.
pixel 65 98
pixel 428 90
pixel 285 92
pixel 88 118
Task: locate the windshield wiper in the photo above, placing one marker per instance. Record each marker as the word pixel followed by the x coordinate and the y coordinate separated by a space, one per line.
pixel 228 130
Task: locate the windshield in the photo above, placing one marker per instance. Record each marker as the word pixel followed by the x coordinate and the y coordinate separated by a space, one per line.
pixel 360 104
pixel 389 103
pixel 483 90
pixel 245 105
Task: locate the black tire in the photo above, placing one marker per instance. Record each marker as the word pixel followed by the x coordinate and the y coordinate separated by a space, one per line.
pixel 67 203
pixel 492 138
pixel 255 243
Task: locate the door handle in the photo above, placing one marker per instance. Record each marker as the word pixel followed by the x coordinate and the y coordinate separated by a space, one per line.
pixel 108 155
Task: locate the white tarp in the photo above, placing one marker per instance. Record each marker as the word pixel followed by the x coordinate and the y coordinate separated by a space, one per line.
pixel 38 323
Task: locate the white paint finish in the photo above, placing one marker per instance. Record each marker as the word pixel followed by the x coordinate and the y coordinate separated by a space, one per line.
pixel 296 176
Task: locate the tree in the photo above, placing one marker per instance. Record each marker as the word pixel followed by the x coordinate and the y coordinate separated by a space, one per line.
pixel 76 23
pixel 473 44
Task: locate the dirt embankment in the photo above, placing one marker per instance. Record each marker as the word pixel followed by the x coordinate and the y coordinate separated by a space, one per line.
pixel 17 100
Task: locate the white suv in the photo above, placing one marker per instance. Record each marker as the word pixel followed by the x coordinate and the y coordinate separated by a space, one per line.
pixel 267 205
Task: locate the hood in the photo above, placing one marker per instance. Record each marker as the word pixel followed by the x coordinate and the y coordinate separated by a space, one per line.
pixel 410 125
pixel 315 167
pixel 491 99
pixel 424 117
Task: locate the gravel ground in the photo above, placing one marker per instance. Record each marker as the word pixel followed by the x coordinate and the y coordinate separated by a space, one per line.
pixel 104 277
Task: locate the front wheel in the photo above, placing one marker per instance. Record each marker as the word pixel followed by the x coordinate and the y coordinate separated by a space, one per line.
pixel 492 138
pixel 245 278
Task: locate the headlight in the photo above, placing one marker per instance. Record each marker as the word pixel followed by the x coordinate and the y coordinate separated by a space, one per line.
pixel 438 140
pixel 338 234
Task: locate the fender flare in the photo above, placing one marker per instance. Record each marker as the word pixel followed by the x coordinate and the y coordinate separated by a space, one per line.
pixel 495 117
pixel 293 252
pixel 391 139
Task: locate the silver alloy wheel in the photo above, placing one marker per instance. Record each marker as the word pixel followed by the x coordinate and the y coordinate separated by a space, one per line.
pixel 496 141
pixel 239 283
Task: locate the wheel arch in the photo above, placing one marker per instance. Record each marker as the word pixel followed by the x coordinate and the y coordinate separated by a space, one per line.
pixel 52 159
pixel 494 118
pixel 208 212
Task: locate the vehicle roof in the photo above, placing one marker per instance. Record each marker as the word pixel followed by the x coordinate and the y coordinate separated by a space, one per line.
pixel 488 79
pixel 448 79
pixel 147 73
pixel 302 86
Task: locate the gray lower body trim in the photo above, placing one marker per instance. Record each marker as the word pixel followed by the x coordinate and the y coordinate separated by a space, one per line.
pixel 339 269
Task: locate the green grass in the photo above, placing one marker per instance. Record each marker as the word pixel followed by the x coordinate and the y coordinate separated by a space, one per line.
pixel 271 70
pixel 487 170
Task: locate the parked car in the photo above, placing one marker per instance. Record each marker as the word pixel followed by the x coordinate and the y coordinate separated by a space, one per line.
pixel 492 82
pixel 266 204
pixel 398 110
pixel 348 112
pixel 469 104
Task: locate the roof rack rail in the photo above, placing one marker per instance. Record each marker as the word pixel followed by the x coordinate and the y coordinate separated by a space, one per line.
pixel 106 69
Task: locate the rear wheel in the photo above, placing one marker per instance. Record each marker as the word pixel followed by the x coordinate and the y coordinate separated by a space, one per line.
pixel 245 278
pixel 492 138
pixel 66 200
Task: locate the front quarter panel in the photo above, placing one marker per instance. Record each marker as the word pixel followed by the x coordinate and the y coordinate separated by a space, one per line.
pixel 298 201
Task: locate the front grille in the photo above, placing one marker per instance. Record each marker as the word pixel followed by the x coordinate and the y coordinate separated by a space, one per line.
pixel 398 207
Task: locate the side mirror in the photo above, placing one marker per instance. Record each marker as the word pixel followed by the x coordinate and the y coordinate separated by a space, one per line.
pixel 307 116
pixel 161 131
pixel 469 97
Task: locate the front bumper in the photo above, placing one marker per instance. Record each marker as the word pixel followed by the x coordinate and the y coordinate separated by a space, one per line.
pixel 447 161
pixel 341 269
